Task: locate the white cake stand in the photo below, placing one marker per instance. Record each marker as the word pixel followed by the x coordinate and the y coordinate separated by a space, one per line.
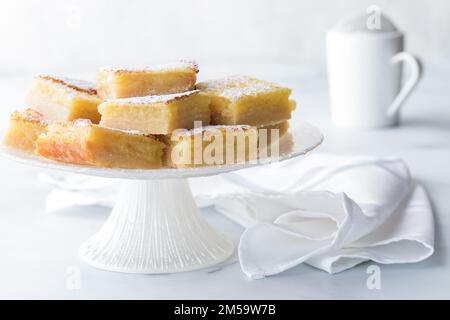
pixel 155 225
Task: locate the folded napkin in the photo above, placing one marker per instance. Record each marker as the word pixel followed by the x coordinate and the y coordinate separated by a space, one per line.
pixel 327 211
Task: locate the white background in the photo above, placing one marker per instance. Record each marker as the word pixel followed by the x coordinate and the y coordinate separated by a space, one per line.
pixel 53 35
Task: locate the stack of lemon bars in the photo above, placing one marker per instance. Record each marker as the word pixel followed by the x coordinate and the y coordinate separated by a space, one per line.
pixel 150 118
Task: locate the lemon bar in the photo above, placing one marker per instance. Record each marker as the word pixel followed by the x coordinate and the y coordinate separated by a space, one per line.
pixel 64 99
pixel 156 114
pixel 269 138
pixel 211 145
pixel 82 142
pixel 24 129
pixel 280 127
pixel 245 100
pixel 116 83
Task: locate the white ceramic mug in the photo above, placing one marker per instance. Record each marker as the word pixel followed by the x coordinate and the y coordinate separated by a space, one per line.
pixel 365 77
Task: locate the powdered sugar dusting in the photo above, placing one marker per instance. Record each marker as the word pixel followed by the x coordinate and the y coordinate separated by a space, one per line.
pixel 30 115
pixel 210 130
pixel 79 85
pixel 82 122
pixel 162 67
pixel 153 99
pixel 234 87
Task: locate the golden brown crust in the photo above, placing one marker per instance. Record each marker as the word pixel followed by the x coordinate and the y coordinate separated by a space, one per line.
pixel 62 143
pixel 77 85
pixel 29 115
pixel 81 142
pixel 24 129
pixel 72 152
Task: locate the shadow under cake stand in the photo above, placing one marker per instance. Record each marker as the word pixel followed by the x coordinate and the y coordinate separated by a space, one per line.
pixel 155 225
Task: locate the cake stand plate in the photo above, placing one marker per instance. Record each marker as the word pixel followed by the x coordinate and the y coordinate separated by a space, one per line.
pixel 155 225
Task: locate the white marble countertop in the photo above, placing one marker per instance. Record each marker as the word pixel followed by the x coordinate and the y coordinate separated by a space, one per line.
pixel 39 252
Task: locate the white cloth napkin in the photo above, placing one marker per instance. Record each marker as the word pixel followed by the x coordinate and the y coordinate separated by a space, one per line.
pixel 327 211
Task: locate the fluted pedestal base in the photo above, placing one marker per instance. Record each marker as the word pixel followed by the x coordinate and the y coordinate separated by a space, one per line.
pixel 155 227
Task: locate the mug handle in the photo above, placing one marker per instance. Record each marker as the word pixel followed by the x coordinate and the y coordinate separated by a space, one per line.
pixel 416 73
